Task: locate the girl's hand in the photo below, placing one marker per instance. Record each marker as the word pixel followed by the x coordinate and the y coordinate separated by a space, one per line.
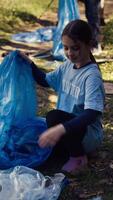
pixel 51 136
pixel 24 56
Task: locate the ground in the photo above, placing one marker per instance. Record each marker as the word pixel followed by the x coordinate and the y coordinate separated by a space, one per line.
pixel 97 180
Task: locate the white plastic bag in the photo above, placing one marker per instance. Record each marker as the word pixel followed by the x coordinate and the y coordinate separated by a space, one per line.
pixel 23 183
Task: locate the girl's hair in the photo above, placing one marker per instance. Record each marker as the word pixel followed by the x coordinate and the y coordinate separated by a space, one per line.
pixel 79 30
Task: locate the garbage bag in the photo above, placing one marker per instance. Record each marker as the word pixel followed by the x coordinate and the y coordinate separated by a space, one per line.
pixel 68 11
pixel 40 35
pixel 17 93
pixel 27 184
pixel 20 128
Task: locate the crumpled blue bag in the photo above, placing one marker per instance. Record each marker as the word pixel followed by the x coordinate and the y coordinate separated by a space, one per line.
pixel 40 35
pixel 67 11
pixel 20 128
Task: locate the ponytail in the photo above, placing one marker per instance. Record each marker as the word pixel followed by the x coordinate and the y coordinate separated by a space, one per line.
pixel 93 59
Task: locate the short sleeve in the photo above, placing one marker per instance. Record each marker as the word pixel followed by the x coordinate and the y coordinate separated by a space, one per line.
pixel 94 93
pixel 54 78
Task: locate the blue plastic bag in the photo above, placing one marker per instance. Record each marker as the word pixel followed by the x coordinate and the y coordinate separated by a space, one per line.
pixel 40 35
pixel 19 126
pixel 17 92
pixel 68 11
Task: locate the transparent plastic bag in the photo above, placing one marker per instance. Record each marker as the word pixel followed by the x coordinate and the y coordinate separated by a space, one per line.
pixel 22 183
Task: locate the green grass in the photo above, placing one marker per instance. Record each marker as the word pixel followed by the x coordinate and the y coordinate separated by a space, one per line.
pixel 107 71
pixel 15 14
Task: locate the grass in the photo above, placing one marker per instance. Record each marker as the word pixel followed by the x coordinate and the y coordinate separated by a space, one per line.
pixel 16 16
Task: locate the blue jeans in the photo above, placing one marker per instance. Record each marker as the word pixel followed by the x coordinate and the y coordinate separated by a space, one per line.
pixel 92 15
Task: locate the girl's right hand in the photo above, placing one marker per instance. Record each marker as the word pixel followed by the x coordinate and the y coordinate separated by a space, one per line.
pixel 51 136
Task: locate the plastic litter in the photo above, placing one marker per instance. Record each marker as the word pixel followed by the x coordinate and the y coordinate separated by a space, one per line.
pixel 40 35
pixel 97 198
pixel 22 183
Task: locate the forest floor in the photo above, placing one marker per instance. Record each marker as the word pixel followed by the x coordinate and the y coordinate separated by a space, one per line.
pixel 96 182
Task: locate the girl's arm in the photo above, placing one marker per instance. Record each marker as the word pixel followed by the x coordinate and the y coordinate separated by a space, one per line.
pixel 52 135
pixel 39 75
pixel 88 117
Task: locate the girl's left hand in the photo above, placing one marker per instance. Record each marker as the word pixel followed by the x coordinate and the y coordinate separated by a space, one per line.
pixel 51 136
pixel 24 56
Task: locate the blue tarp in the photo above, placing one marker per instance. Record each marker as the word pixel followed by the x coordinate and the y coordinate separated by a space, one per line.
pixel 19 125
pixel 67 11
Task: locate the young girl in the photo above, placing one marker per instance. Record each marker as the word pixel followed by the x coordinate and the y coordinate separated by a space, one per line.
pixel 75 126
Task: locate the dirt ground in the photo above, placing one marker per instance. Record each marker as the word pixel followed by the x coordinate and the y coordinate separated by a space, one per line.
pixel 102 167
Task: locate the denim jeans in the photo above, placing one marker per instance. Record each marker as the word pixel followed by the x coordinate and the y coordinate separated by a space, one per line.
pixel 92 15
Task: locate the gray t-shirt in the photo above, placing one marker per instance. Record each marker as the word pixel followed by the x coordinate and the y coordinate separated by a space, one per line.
pixel 80 89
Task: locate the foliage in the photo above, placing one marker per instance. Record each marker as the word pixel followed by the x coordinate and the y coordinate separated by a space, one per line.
pixel 108 32
pixel 107 71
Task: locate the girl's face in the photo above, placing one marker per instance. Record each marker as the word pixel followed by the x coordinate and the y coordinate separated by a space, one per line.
pixel 77 52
